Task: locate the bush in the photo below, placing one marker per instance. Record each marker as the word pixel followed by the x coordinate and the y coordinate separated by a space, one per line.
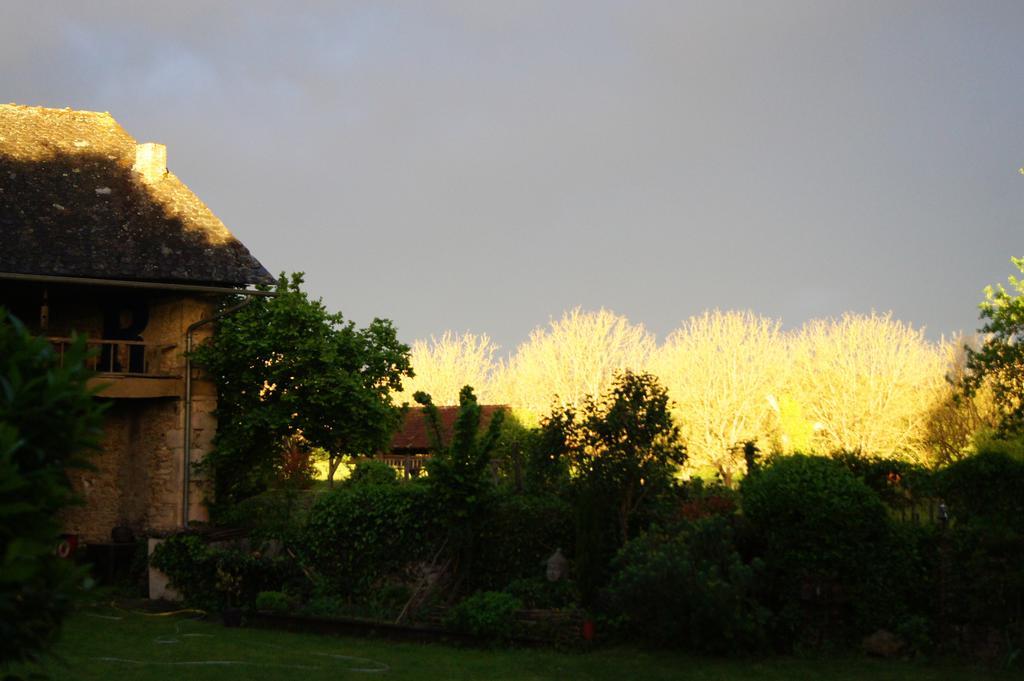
pixel 487 614
pixel 273 601
pixel 831 565
pixel 688 588
pixel 47 420
pixel 358 535
pixel 278 514
pixel 898 483
pixel 987 488
pixel 985 546
pixel 538 592
pixel 372 472
pixel 211 577
pixel 517 536
pixel 698 499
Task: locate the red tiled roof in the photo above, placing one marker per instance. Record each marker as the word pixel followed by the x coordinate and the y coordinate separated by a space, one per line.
pixel 413 435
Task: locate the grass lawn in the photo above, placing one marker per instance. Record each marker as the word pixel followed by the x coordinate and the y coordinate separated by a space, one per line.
pixel 107 643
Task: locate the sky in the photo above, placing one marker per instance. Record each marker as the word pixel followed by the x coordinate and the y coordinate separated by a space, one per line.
pixel 484 166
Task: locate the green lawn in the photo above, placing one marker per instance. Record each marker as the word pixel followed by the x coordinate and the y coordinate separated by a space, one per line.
pixel 116 644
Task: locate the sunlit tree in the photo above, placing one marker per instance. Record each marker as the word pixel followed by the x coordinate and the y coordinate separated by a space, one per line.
pixel 867 382
pixel 574 359
pixel 999 362
pixel 956 418
pixel 444 365
pixel 722 370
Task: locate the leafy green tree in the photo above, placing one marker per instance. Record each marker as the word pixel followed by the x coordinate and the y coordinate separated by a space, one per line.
pixel 48 420
pixel 626 443
pixel 999 363
pixel 286 367
pixel 621 450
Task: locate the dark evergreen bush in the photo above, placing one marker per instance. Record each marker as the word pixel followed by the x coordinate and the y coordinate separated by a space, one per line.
pixel 987 488
pixel 900 484
pixel 834 568
pixel 983 552
pixel 360 534
pixel 48 418
pixel 688 588
pixel 518 534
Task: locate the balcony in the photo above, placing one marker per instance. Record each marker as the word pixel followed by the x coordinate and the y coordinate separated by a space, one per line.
pixel 130 369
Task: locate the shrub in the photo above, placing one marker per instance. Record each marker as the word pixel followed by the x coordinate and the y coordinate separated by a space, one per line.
pixel 538 592
pixel 814 515
pixel 47 420
pixel 191 567
pixel 688 588
pixel 277 514
pixel 698 499
pixel 985 546
pixel 372 472
pixel 487 614
pixel 273 601
pixel 826 541
pixel 211 577
pixel 518 535
pixel 986 488
pixel 898 483
pixel 360 534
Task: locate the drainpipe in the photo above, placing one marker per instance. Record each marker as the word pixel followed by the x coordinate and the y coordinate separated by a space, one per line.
pixel 187 455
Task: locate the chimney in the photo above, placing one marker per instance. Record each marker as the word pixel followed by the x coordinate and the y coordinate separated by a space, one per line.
pixel 150 161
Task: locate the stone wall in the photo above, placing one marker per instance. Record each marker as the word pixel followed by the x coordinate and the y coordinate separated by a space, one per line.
pixel 137 481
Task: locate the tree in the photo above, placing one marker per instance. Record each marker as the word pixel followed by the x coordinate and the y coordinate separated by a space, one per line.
pixel 459 472
pixel 574 360
pixel 722 369
pixel 286 367
pixel 625 443
pixel 444 365
pixel 867 382
pixel 999 363
pixel 48 420
pixel 955 419
pixel 622 449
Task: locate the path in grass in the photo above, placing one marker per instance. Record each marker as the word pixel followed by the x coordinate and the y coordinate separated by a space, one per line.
pixel 109 644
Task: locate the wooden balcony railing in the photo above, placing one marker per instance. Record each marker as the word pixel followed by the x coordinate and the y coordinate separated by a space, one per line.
pixel 122 357
pixel 406 465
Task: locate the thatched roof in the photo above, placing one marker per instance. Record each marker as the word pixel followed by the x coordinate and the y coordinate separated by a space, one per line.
pixel 80 198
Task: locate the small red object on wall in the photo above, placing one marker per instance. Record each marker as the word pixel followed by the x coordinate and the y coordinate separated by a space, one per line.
pixel 67 546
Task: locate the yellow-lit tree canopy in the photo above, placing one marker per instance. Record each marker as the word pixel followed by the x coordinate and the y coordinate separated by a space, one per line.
pixel 866 383
pixel 574 359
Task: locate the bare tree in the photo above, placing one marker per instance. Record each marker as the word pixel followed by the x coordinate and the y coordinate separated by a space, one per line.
pixel 444 365
pixel 868 382
pixel 574 359
pixel 721 369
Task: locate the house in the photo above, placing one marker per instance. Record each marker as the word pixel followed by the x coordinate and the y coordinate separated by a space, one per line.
pixel 413 443
pixel 97 237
